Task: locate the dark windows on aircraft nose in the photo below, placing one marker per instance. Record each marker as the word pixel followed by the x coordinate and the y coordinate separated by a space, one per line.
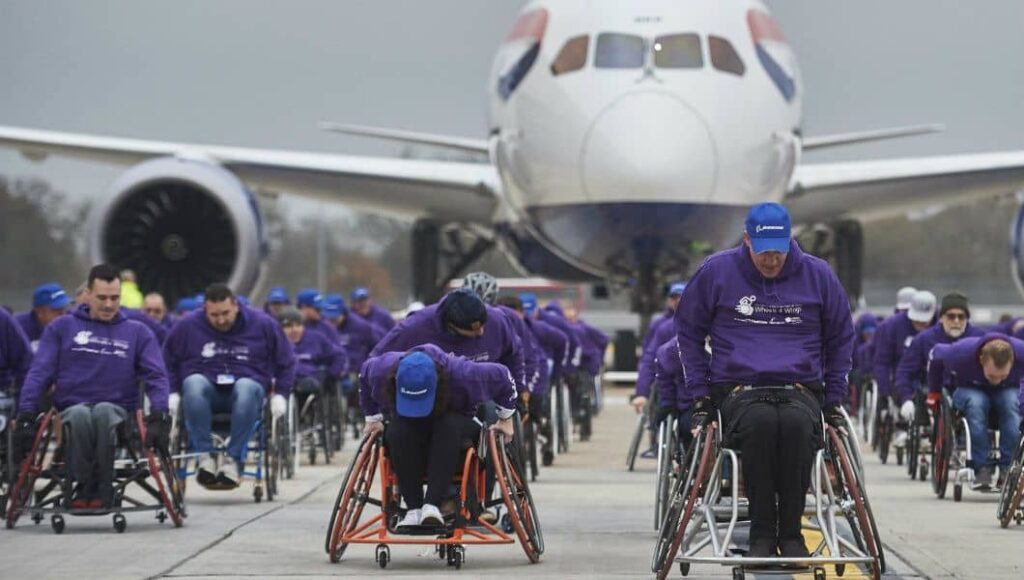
pixel 619 51
pixel 572 57
pixel 724 57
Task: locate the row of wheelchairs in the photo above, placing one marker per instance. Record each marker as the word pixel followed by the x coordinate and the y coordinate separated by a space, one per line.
pixel 938 448
pixel 40 484
pixel 702 514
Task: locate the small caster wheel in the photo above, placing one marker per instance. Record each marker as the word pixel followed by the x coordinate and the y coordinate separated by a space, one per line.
pixel 458 557
pixel 383 555
pixel 57 523
pixel 684 568
pixel 257 494
pixel 899 456
pixel 737 574
pixel 840 570
pixel 120 523
pixel 442 551
pixel 37 518
pixel 506 524
pixel 161 517
pixel 958 492
pixel 923 475
pixel 819 574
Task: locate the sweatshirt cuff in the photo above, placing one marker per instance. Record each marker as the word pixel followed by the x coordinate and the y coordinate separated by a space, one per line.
pixel 374 418
pixel 504 413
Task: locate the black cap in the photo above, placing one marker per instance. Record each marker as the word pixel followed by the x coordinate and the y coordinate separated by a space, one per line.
pixel 463 308
pixel 954 300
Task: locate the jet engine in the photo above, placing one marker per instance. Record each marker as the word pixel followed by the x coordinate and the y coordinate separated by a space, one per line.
pixel 180 224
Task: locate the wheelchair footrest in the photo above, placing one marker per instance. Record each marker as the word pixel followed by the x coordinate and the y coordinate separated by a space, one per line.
pixel 220 486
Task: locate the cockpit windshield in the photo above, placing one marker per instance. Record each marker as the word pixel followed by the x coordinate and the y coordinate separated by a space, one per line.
pixel 620 50
pixel 678 51
pixel 616 50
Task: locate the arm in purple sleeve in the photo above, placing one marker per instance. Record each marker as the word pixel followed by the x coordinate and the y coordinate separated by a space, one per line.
pixel 837 342
pixel 16 350
pixel 911 363
pixel 936 369
pixel 692 322
pixel 666 381
pixel 514 358
pixel 338 362
pixel 172 361
pixel 43 371
pixel 149 366
pixel 372 379
pixel 646 370
pixel 882 367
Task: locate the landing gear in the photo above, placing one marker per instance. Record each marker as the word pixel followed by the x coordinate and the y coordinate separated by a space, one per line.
pixel 842 245
pixel 439 254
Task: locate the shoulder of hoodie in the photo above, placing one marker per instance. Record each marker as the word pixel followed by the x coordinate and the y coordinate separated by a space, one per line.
pixel 67 322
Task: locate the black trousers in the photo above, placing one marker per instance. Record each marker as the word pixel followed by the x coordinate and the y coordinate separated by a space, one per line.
pixel 431 446
pixel 777 432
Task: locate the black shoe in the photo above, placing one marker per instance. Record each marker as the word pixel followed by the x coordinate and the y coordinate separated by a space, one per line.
pixel 761 548
pixel 793 548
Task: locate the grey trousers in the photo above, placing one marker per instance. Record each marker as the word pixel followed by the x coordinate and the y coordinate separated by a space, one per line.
pixel 91 440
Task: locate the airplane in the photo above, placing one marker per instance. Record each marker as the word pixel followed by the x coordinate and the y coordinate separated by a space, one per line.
pixel 627 140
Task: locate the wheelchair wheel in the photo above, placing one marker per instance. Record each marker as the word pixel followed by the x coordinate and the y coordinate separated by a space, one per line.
pixel 885 426
pixel 268 453
pixel 1013 488
pixel 913 449
pixel 516 493
pixel 677 519
pixel 169 489
pixel 634 443
pixel 564 418
pixel 7 466
pixel 353 495
pixel 663 481
pixel 31 466
pixel 532 449
pixel 336 417
pixel 942 449
pixel 860 518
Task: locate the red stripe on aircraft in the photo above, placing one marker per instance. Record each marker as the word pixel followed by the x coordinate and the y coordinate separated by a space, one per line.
pixel 763 27
pixel 530 25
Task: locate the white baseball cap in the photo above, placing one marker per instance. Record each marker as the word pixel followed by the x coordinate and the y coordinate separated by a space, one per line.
pixel 922 306
pixel 904 296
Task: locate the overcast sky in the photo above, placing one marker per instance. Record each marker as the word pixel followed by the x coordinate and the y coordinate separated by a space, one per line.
pixel 262 73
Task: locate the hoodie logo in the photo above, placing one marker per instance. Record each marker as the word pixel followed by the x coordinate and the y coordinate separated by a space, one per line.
pixel 209 350
pixel 82 337
pixel 746 305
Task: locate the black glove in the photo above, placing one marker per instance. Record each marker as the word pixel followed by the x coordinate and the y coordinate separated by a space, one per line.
pixel 703 409
pixel 834 416
pixel 24 435
pixel 158 431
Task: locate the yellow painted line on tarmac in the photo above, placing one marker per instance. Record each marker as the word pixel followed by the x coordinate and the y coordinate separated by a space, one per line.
pixel 813 538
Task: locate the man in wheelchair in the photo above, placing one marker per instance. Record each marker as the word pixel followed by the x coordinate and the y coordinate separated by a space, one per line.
pixel 986 373
pixel 430 399
pixel 96 358
pixel 673 398
pixel 316 358
pixel 226 358
pixel 782 336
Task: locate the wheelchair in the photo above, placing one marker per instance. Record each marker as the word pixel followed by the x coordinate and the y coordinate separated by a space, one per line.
pixel 144 479
pixel 267 451
pixel 951 452
pixel 580 404
pixel 310 421
pixel 707 508
pixel 668 458
pixel 1010 499
pixel 460 529
pixel 8 469
pixel 561 418
pixel 529 433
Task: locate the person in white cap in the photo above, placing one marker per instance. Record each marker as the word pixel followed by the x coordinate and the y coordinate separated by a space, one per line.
pixel 894 336
pixel 903 298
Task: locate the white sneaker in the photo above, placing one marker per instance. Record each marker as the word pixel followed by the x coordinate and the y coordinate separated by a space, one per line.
pixel 899 440
pixel 411 518
pixel 230 473
pixel 431 516
pixel 206 472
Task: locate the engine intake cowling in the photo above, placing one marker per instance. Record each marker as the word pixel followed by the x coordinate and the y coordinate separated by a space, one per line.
pixel 181 225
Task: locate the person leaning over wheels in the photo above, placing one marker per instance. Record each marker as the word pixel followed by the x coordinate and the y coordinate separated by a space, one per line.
pixel 431 398
pixel 985 373
pixel 781 334
pixel 96 357
pixel 226 358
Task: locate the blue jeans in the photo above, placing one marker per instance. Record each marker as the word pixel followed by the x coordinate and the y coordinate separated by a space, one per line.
pixel 201 399
pixel 975 405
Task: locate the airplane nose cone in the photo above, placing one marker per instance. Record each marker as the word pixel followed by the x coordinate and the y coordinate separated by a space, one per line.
pixel 649 147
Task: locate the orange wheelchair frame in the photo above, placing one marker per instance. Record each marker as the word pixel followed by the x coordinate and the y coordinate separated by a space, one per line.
pixel 462 528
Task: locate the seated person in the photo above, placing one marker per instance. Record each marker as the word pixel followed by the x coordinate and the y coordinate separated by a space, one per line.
pixel 316 358
pixel 96 357
pixel 986 373
pixel 673 398
pixel 226 358
pixel 430 398
pixel 358 337
pixel 49 302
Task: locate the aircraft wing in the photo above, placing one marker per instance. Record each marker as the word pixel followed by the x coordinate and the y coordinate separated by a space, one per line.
pixel 868 190
pixel 465 192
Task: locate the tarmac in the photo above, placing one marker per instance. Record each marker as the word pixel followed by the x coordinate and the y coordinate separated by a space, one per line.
pixel 597 520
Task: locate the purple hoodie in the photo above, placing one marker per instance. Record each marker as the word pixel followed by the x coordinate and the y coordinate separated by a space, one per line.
pixel 499 342
pixel 913 367
pixel 95 362
pixel 670 377
pixel 158 330
pixel 378 316
pixel 15 353
pixel 315 353
pixel 553 345
pixel 593 342
pixel 959 361
pixel 531 351
pixel 323 327
pixel 555 319
pixel 795 328
pixel 31 326
pixel 255 348
pixel 469 383
pixel 891 340
pixel 646 370
pixel 358 337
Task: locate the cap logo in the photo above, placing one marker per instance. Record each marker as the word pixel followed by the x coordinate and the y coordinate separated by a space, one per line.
pixel 760 229
pixel 414 393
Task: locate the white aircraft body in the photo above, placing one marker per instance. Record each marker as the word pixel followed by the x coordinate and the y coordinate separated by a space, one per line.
pixel 627 140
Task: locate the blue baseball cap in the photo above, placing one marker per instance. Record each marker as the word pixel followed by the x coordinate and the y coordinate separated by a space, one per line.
pixel 415 386
pixel 360 293
pixel 769 228
pixel 51 295
pixel 277 295
pixel 333 306
pixel 309 297
pixel 186 304
pixel 677 289
pixel 529 300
